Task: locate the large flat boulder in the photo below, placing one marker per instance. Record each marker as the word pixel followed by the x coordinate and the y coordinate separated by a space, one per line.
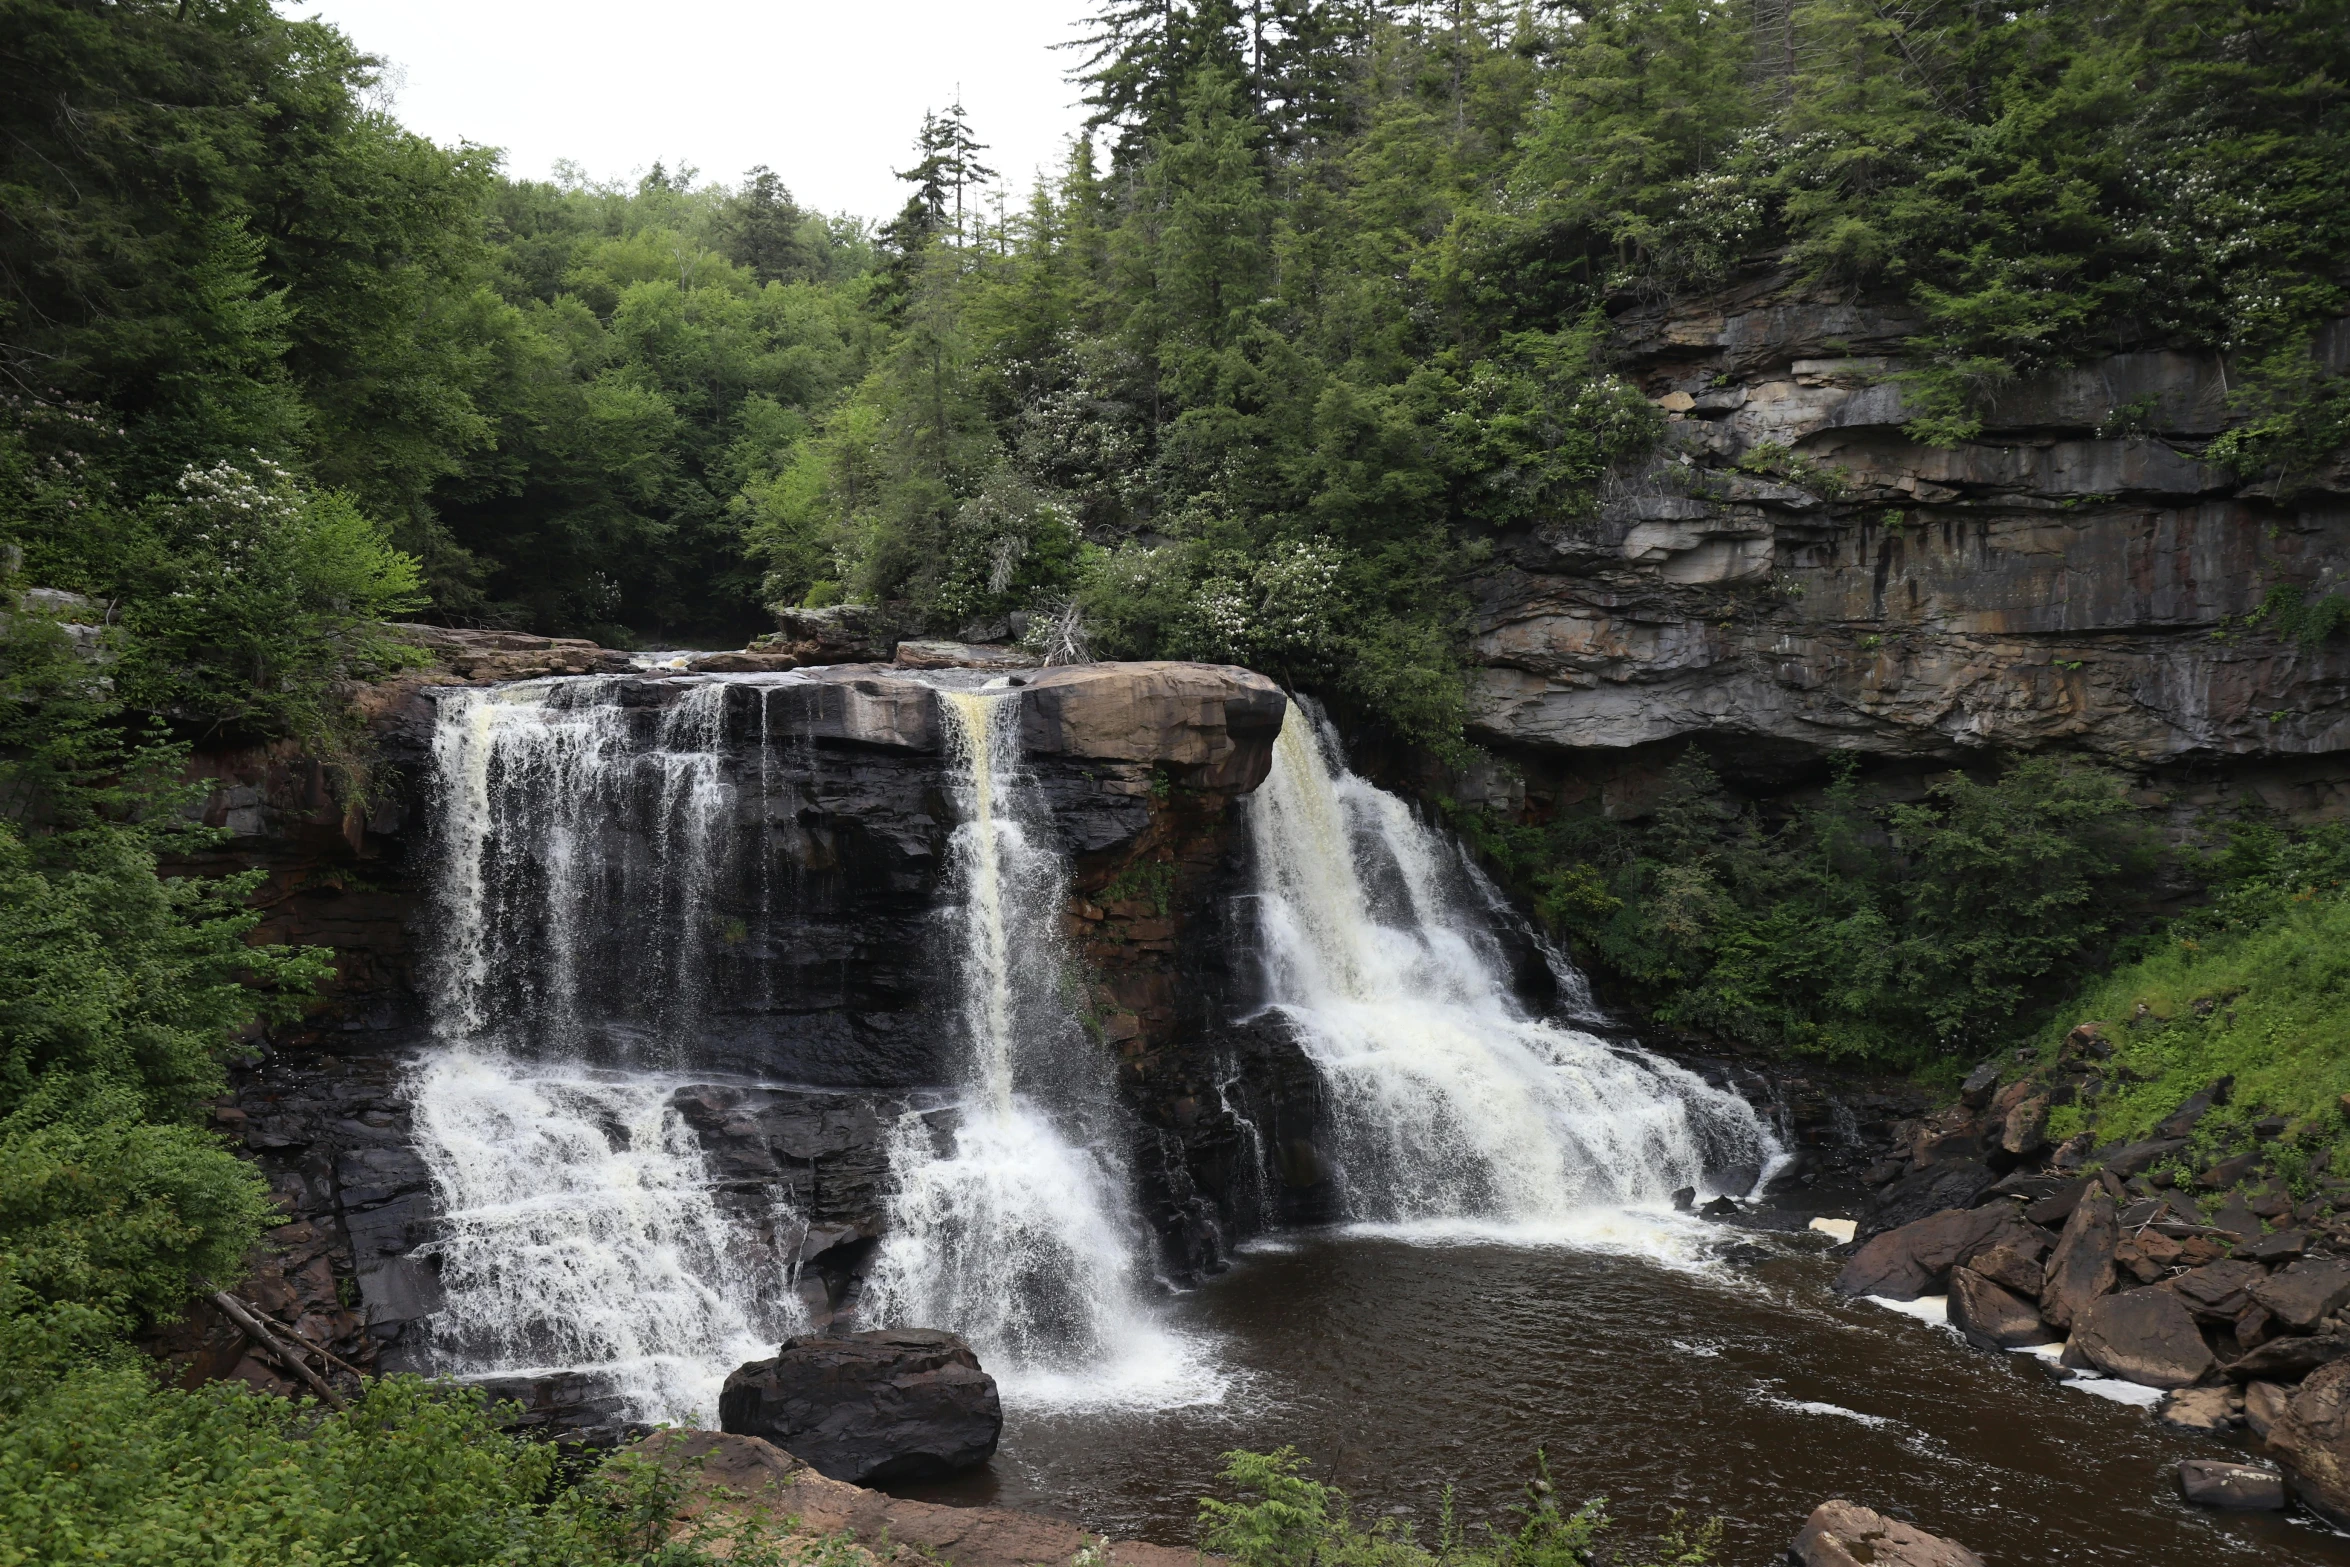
pixel 2146 1336
pixel 2290 1358
pixel 1954 1183
pixel 1846 1534
pixel 2212 1482
pixel 1213 724
pixel 2215 1292
pixel 1916 1259
pixel 903 1404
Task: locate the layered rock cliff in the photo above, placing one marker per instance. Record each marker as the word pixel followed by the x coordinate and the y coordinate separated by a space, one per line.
pixel 1792 576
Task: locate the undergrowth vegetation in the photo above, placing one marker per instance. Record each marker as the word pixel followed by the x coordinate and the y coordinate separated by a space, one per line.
pixel 1284 1519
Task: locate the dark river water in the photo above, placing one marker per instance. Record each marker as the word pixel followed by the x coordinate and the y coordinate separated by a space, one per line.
pixel 1736 1387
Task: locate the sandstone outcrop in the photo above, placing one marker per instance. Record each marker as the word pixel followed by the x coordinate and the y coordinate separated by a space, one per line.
pixel 1793 576
pixel 899 1405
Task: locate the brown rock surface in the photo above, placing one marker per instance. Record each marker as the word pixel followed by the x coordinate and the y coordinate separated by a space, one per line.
pixel 1214 723
pixel 1916 1259
pixel 1992 1317
pixel 2312 1440
pixel 2145 1336
pixel 2081 1268
pixel 769 1483
pixel 1845 1534
pixel 2215 1291
pixel 2300 1295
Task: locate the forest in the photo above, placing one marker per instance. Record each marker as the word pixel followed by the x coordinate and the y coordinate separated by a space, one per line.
pixel 1316 311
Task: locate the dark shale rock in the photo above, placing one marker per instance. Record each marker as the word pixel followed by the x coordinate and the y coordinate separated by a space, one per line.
pixel 2289 1358
pixel 901 1405
pixel 2081 1269
pixel 1845 1534
pixel 1956 1184
pixel 2300 1295
pixel 2145 1336
pixel 2137 1158
pixel 2215 1291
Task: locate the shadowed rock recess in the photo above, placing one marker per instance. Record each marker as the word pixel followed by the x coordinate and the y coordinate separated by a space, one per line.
pixel 1791 575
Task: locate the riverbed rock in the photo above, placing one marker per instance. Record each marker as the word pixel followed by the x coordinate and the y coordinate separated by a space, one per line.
pixel 1846 1534
pixel 2212 1482
pixel 2144 1336
pixel 2300 1295
pixel 903 1404
pixel 2264 1405
pixel 2081 1269
pixel 2289 1357
pixel 2215 1292
pixel 2014 1257
pixel 2311 1438
pixel 1916 1259
pixel 1992 1317
pixel 837 634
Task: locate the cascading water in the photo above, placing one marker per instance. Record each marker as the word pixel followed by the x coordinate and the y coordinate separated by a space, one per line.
pixel 1009 1225
pixel 1449 1106
pixel 579 1227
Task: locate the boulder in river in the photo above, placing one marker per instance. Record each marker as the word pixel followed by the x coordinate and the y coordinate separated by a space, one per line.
pixel 2290 1358
pixel 2081 1269
pixel 1992 1317
pixel 2300 1295
pixel 2209 1410
pixel 1846 1534
pixel 2312 1440
pixel 2145 1336
pixel 906 1404
pixel 2211 1482
pixel 2264 1405
pixel 1915 1259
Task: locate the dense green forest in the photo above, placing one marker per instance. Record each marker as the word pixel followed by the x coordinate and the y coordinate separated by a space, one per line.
pixel 1315 312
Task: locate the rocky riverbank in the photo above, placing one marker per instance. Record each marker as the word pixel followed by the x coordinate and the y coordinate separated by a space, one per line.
pixel 2208 1265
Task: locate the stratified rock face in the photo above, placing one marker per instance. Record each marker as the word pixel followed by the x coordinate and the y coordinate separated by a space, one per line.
pixel 1845 1534
pixel 1793 569
pixel 899 1405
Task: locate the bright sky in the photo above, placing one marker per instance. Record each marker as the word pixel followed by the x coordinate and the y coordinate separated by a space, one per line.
pixel 827 95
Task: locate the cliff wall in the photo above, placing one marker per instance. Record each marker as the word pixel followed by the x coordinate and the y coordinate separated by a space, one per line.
pixel 1791 576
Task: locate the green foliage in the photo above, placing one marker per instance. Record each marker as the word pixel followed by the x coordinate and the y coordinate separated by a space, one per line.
pixel 2256 987
pixel 1284 1519
pixel 1896 932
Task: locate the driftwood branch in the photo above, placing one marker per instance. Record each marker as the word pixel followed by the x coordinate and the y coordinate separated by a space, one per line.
pixel 254 1329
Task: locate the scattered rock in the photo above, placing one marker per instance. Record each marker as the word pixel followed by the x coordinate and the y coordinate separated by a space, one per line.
pixel 1992 1317
pixel 2081 1268
pixel 2228 1172
pixel 1975 1092
pixel 1845 1534
pixel 839 634
pixel 2183 1120
pixel 899 1405
pixel 2283 1246
pixel 2215 1291
pixel 2209 1410
pixel 2144 1336
pixel 2289 1357
pixel 963 655
pixel 746 662
pixel 2055 1207
pixel 1686 1199
pixel 2209 1482
pixel 2014 1257
pixel 2303 1293
pixel 2137 1158
pixel 1916 1259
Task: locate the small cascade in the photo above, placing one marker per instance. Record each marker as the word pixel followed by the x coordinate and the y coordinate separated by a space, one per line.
pixel 1449 1105
pixel 578 1232
pixel 578 842
pixel 1010 1222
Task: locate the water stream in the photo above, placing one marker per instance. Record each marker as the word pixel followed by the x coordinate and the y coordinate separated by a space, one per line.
pixel 1453 1109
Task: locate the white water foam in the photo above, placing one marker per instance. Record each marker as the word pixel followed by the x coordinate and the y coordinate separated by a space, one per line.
pixel 578 1232
pixel 1453 1112
pixel 1009 1225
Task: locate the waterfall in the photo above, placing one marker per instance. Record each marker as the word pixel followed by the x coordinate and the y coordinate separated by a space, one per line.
pixel 577 842
pixel 1449 1106
pixel 578 1232
pixel 1010 1223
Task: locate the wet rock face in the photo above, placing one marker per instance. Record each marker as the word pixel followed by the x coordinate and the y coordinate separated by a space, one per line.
pixel 899 1405
pixel 1792 569
pixel 1845 1534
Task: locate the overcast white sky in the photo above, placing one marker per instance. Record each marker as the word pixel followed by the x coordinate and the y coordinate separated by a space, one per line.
pixel 827 95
